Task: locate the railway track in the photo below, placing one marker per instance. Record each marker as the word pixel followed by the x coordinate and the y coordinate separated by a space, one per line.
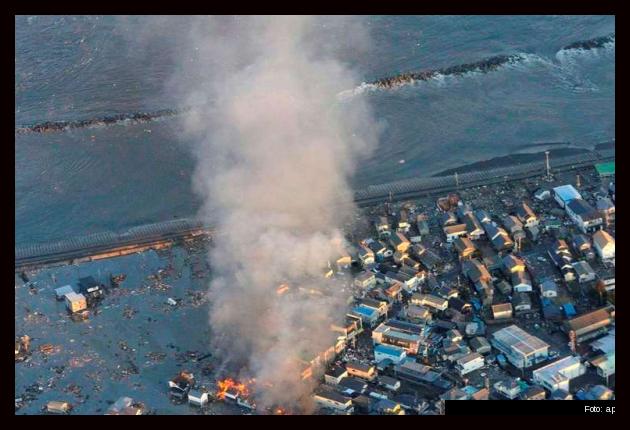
pixel 70 250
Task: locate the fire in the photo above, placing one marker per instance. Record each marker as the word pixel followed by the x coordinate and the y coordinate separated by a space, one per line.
pixel 229 384
pixel 282 289
pixel 280 411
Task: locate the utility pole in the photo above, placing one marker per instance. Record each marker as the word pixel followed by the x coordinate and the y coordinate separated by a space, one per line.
pixel 577 181
pixel 547 165
pixel 456 181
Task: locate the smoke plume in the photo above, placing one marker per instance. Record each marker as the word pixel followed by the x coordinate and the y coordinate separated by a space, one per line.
pixel 275 152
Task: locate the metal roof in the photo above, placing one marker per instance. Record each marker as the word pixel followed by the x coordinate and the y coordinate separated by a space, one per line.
pixel 567 193
pixel 519 340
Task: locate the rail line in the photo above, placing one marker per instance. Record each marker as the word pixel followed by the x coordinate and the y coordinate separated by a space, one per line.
pixel 102 245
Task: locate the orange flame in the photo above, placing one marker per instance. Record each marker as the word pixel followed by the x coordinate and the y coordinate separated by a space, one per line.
pixel 228 384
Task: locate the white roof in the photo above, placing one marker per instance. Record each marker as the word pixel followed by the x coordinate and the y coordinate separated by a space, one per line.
pixel 555 371
pixel 520 340
pixel 567 192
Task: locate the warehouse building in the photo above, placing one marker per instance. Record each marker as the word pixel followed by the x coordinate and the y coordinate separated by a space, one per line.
pixel 557 375
pixel 564 194
pixel 589 325
pixel 520 348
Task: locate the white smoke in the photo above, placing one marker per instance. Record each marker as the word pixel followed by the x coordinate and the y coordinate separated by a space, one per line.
pixel 275 152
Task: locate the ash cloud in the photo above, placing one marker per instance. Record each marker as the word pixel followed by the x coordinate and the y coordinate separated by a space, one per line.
pixel 275 151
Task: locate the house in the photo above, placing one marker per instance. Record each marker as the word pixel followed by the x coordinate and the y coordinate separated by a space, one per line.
pixel 365 280
pixel 526 215
pixel 542 194
pixel 557 375
pixel 499 237
pixel 604 245
pixel 389 383
pixel 454 335
pixel 388 407
pixel 604 362
pixel 533 233
pixel 197 398
pixel 55 407
pixel 369 316
pixel 521 302
pixel 416 372
pixel 459 305
pixel 465 247
pixel 180 386
pixel 504 287
pixel 584 271
pixel 469 363
pixel 482 216
pixel 584 215
pixel 502 310
pixel 596 392
pixel 548 288
pixel 60 293
pixel 448 218
pixel 513 264
pixel 91 289
pixel 447 292
pixel 589 325
pixel 564 194
pixel 399 242
pixel 417 314
pixel 335 374
pixel 512 224
pixel 76 302
pixel 582 245
pixel 382 226
pixel 480 345
pixel 476 271
pixel 350 386
pixel 563 261
pixel 509 388
pixel 534 393
pixel 389 352
pixel 380 305
pixel 453 231
pixel 360 370
pixel 606 208
pixel 366 256
pixel 125 406
pixel 399 333
pixel 519 347
pixel 473 226
pixel 521 282
pixel 403 221
pixel 429 300
pixel 329 399
pixel 379 249
pixel 422 225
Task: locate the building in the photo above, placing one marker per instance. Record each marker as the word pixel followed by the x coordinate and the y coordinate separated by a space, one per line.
pixel 60 293
pixel 582 245
pixel 389 383
pixel 416 372
pixel 365 280
pixel 91 289
pixel 499 238
pixel 329 399
pixel 369 316
pixel 469 363
pixel 476 271
pixel 76 302
pixel 534 392
pixel 585 217
pixel 480 345
pixel 403 221
pixel 604 362
pixel 389 352
pixel 453 231
pixel 512 224
pixel 448 218
pixel 513 264
pixel 503 287
pixel 382 226
pixel 335 374
pixel 520 348
pixel 564 194
pixel 548 288
pixel 465 247
pixel 180 386
pixel 351 386
pixel 429 300
pixel 399 333
pixel 366 256
pixel 473 226
pixel 380 305
pixel 482 216
pixel 556 375
pixel 509 388
pixel 584 271
pixel 422 225
pixel 521 282
pixel 197 398
pixel 417 314
pixel 521 302
pixel 55 407
pixel 542 194
pixel 526 215
pixel 360 370
pixel 589 325
pixel 605 169
pixel 604 245
pixel 399 242
pixel 502 311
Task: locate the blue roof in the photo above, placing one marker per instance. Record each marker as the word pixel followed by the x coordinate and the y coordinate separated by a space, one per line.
pixel 567 193
pixel 569 309
pixel 389 350
pixel 365 311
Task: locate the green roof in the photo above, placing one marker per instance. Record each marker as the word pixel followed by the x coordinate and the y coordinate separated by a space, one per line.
pixel 605 168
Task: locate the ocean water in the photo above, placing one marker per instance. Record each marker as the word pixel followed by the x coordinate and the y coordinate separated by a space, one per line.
pixel 91 180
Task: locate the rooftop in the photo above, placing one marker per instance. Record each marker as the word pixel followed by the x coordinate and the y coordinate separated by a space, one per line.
pixel 518 339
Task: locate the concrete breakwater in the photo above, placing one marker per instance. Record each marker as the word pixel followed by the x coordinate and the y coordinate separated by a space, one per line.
pixel 109 244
